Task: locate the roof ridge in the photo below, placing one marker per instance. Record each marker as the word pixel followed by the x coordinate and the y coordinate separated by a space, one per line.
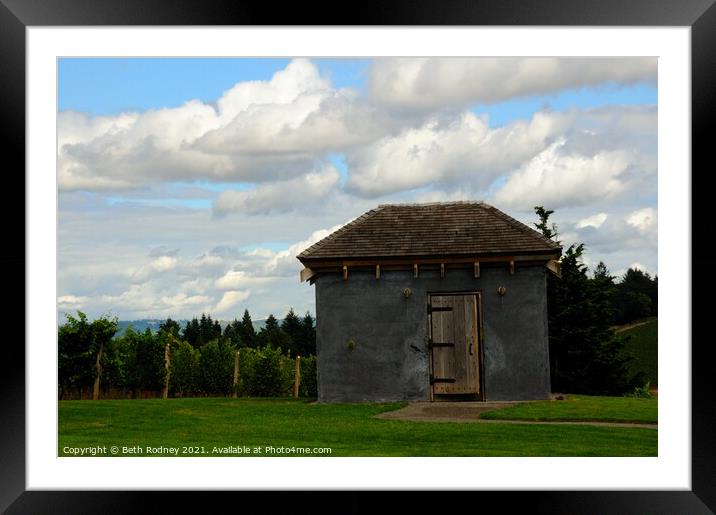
pixel 437 203
pixel 323 241
pixel 519 225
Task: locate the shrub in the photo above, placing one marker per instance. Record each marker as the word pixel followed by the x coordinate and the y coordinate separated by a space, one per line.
pixel 117 364
pixel 141 358
pixel 184 368
pixel 79 342
pixel 265 372
pixel 216 367
pixel 641 392
pixel 309 383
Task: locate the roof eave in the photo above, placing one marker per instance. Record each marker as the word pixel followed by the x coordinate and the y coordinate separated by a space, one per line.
pixel 539 254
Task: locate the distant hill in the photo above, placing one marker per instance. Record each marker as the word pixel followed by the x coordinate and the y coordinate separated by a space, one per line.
pixel 142 325
pixel 643 345
pixel 153 324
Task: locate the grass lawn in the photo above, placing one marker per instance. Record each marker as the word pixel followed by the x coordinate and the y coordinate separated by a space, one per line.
pixel 348 429
pixel 582 408
pixel 643 344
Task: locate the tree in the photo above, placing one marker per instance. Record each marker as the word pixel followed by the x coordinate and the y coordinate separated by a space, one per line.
pixel 148 363
pixel 636 297
pixel 216 330
pixel 246 332
pixel 191 333
pixel 216 366
pixel 291 326
pixel 232 333
pixel 271 324
pixel 549 231
pixel 631 306
pixel 206 329
pixel 307 343
pixel 271 335
pixel 184 369
pixel 80 343
pixel 585 354
pixel 117 364
pixel 170 326
pixel 601 272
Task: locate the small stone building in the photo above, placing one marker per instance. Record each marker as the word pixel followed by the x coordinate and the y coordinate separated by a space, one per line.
pixel 439 301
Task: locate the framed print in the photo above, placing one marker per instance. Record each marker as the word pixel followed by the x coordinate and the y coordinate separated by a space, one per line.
pixel 183 159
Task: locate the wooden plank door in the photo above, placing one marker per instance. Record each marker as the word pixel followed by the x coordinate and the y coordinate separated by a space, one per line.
pixel 454 343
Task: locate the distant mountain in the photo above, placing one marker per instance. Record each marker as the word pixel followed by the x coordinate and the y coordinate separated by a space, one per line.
pixel 153 325
pixel 141 325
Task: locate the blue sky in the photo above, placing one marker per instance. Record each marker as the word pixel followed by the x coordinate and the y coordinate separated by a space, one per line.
pixel 105 86
pixel 173 208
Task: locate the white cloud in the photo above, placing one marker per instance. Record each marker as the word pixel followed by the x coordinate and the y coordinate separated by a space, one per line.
pixel 284 263
pixel 462 154
pixel 230 299
pixel 433 83
pixel 645 220
pixel 556 180
pixel 280 196
pixel 157 266
pixel 181 300
pixel 70 302
pixel 259 130
pixel 196 287
pixel 592 221
pixel 141 299
pixel 463 149
pixel 209 261
pixel 237 279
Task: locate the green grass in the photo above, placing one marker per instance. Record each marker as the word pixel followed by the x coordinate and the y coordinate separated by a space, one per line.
pixel 348 429
pixel 582 408
pixel 643 344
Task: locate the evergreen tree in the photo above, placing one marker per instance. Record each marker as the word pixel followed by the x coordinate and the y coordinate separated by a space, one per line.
pixel 170 326
pixel 291 325
pixel 231 333
pixel 271 323
pixel 585 354
pixel 246 332
pixel 307 343
pixel 149 365
pixel 206 329
pixel 636 297
pixel 216 331
pixel 549 231
pixel 192 333
pixel 602 272
pixel 271 335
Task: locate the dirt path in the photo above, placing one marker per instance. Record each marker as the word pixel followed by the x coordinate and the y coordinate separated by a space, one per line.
pixel 469 412
pixel 622 328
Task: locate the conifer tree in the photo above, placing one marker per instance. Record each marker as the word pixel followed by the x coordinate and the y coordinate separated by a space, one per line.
pixel 585 354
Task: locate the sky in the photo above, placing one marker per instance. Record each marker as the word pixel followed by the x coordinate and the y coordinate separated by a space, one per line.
pixel 188 186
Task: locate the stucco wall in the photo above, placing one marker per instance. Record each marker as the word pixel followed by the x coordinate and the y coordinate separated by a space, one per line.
pixel 372 341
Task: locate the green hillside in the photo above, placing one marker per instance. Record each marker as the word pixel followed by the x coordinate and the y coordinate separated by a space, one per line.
pixel 642 344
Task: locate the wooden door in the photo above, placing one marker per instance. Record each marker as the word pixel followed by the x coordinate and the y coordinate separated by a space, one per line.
pixel 454 343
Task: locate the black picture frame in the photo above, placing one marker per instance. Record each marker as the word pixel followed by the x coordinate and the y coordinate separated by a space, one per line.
pixel 699 15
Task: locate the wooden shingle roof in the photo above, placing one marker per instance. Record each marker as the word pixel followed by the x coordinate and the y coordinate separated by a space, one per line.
pixel 430 230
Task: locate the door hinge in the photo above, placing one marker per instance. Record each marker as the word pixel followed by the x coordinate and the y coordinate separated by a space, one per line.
pixel 432 344
pixel 434 379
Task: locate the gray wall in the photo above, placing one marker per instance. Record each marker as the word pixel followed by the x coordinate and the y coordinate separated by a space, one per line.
pixel 372 341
